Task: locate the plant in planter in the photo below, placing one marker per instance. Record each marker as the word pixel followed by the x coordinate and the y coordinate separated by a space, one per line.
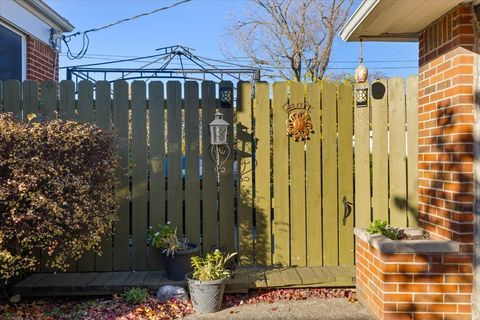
pixel 176 252
pixel 207 282
pixel 381 227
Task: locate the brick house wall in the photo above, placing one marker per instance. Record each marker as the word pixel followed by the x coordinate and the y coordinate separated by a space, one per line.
pixel 42 61
pixel 445 120
pixel 435 285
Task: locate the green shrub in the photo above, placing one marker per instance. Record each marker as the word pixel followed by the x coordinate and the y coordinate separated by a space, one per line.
pixel 381 227
pixel 135 295
pixel 56 192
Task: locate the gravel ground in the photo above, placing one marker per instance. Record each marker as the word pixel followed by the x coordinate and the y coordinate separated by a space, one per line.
pixel 321 309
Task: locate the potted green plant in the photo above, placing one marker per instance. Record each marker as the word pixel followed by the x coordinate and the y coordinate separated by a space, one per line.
pixel 207 281
pixel 176 252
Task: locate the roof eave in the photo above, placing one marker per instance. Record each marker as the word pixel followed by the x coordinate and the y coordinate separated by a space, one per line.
pixel 63 24
pixel 356 19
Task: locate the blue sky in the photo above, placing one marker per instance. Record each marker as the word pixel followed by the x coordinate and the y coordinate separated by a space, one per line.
pixel 198 24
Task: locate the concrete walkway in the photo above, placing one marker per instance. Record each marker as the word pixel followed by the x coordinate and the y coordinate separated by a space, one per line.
pixel 321 309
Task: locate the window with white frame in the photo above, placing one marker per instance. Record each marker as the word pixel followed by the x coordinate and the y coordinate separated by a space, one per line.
pixel 12 54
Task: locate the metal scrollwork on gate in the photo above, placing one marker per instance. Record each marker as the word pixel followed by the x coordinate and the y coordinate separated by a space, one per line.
pixel 299 122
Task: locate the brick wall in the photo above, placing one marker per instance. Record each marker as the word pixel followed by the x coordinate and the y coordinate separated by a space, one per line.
pixel 413 286
pixel 435 285
pixel 445 115
pixel 42 61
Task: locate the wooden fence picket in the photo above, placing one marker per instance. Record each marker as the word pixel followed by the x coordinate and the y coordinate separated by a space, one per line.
pixel 281 203
pixel 209 182
pixel 29 98
pixel 192 162
pixel 157 212
pixel 12 100
pixel 345 175
pixel 121 254
pixel 412 149
pixel 49 102
pixel 139 176
pixel 380 150
pixel 85 114
pixel 244 173
pixel 262 196
pixel 313 178
pixel 397 152
pixel 362 161
pixel 103 110
pixel 298 250
pixel 329 174
pixel 227 222
pixel 66 107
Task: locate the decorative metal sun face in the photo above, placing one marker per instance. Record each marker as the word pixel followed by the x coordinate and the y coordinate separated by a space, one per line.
pixel 299 125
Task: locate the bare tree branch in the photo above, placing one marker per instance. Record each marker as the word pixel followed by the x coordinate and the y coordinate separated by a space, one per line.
pixel 293 37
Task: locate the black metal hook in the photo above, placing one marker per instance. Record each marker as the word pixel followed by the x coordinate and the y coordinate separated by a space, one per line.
pixel 347 209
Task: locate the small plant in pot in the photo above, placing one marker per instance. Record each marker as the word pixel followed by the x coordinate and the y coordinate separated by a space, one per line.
pixel 176 252
pixel 207 281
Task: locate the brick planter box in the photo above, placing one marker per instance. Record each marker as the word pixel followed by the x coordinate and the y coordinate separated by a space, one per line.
pixel 413 279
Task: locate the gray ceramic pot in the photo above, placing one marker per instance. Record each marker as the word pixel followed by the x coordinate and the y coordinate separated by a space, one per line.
pixel 207 296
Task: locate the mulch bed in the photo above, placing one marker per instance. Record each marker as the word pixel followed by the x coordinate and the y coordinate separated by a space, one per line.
pixel 116 308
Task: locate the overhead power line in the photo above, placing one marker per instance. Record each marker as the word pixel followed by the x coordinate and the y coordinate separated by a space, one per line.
pixel 86 39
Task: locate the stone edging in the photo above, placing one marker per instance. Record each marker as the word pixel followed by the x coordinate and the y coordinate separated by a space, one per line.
pixel 387 245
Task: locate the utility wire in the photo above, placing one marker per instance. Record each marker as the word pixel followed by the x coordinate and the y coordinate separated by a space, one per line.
pixel 86 39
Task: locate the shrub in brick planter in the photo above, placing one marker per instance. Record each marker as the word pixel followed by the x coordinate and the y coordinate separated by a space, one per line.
pixel 412 279
pixel 57 192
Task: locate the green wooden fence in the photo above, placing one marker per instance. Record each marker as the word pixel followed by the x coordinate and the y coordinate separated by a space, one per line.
pixel 281 201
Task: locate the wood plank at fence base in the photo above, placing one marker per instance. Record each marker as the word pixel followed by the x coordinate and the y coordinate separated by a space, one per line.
pixel 226 181
pixel 12 102
pixel 139 176
pixel 121 253
pixel 85 114
pixel 281 204
pixel 174 155
pixel 263 245
pixel 29 97
pixel 397 152
pixel 209 182
pixel 362 163
pixel 313 181
pixel 245 170
pixel 157 214
pixel 49 105
pixel 329 174
pixel 103 109
pixel 412 150
pixel 298 253
pixel 380 150
pixel 345 175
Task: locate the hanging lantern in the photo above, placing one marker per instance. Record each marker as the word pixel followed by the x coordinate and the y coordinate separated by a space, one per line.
pixel 218 130
pixel 361 73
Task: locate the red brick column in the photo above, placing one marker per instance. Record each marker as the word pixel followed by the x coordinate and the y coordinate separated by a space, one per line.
pixel 42 61
pixel 445 115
